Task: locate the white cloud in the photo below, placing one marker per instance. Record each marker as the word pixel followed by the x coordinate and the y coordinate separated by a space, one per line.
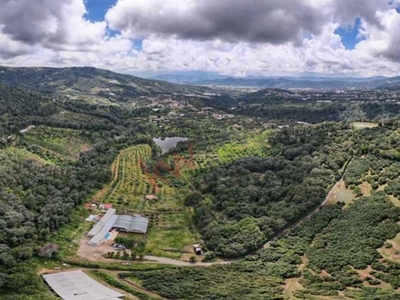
pixel 223 36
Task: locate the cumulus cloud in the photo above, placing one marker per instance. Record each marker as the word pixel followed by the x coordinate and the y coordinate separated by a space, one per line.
pixel 344 11
pixel 10 48
pixel 391 35
pixel 230 20
pixel 267 21
pixel 53 24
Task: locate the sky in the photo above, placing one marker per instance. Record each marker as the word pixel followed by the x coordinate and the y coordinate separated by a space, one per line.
pixel 358 38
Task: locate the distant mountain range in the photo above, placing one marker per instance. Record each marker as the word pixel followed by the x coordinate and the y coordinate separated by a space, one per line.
pixel 188 77
pixel 105 86
pixel 287 82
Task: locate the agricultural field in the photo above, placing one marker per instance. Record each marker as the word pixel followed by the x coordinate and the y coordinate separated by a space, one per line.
pixel 24 154
pixel 245 144
pixel 69 116
pixel 67 143
pixel 132 181
pixel 254 146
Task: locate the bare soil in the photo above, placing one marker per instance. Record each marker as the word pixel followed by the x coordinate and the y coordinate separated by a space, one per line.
pixel 86 148
pixel 96 253
pixel 333 194
pixel 366 188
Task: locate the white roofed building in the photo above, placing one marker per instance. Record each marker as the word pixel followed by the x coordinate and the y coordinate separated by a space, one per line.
pixel 76 285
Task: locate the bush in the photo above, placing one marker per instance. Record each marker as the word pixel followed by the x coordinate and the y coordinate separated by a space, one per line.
pixel 388 245
pixel 209 256
pixel 126 241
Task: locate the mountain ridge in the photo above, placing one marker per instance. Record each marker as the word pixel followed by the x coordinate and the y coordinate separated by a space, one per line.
pixel 78 81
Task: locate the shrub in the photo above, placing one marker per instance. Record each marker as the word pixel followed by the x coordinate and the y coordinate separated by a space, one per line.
pixel 209 256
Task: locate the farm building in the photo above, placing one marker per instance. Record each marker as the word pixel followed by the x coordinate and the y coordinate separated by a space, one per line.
pixel 76 285
pixel 134 223
pixel 99 226
pixel 103 234
pixel 101 231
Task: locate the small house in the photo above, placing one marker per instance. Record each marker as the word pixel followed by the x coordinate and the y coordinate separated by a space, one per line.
pixel 105 206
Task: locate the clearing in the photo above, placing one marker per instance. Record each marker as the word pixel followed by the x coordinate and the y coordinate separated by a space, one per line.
pixel 363 125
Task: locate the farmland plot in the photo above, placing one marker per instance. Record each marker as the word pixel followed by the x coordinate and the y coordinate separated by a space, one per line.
pixel 132 181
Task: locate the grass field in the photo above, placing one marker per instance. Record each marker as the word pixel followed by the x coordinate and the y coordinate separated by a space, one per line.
pixel 160 240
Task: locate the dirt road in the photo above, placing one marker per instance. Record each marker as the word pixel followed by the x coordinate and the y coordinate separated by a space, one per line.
pixel 329 199
pixel 179 263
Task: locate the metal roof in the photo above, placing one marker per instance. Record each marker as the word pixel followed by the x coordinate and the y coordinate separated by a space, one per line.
pixel 99 226
pixel 76 285
pixel 134 223
pixel 98 238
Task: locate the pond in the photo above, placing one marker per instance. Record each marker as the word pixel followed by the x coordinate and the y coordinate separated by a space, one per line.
pixel 169 143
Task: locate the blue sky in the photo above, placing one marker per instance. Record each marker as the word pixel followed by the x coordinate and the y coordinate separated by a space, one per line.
pixel 350 34
pixel 98 8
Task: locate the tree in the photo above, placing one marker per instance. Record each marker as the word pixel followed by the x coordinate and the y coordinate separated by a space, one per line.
pixel 193 198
